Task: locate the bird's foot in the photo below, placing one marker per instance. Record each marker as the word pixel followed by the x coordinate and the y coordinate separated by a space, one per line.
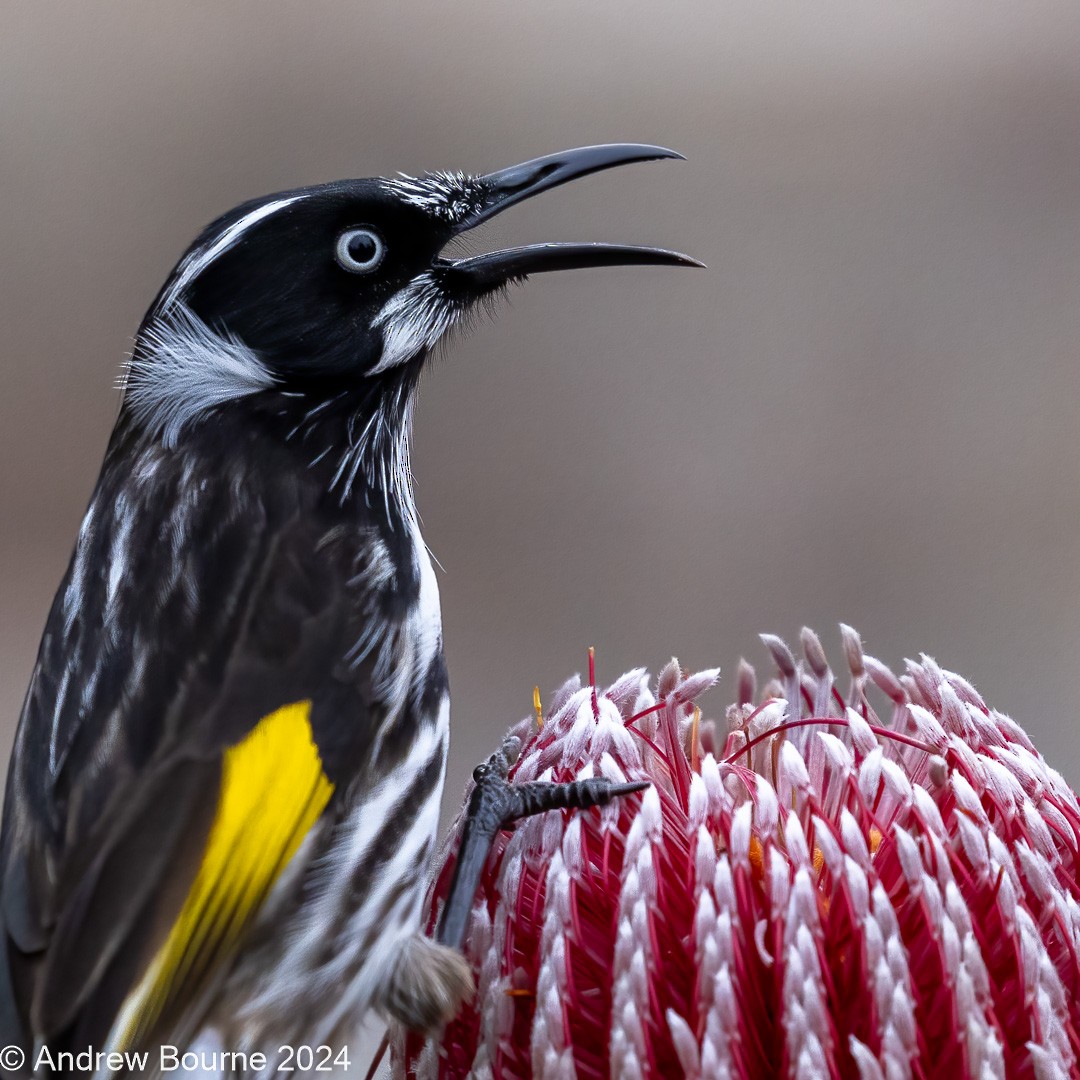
pixel 496 803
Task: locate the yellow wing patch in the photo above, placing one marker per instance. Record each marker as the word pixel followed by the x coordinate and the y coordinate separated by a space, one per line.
pixel 273 790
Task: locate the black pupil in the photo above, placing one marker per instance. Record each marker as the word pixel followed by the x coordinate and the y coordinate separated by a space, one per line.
pixel 362 247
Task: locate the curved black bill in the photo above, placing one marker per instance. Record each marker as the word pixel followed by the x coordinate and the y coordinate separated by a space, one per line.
pixel 499 267
pixel 507 187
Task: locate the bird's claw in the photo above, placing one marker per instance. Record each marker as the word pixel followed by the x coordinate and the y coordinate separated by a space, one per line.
pixel 501 762
pixel 496 802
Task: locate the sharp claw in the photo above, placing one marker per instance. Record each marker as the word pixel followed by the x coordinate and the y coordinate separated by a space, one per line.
pixel 501 762
pixel 618 790
pixel 495 803
pixel 510 751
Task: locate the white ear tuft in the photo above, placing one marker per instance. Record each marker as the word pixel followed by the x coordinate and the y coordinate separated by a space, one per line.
pixel 181 370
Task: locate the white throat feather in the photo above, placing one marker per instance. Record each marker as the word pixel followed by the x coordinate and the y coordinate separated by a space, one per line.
pixel 413 320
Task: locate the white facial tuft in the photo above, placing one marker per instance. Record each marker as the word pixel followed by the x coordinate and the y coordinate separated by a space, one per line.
pixel 413 320
pixel 183 369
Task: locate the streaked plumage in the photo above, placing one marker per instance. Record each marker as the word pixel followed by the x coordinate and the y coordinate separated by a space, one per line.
pixel 225 786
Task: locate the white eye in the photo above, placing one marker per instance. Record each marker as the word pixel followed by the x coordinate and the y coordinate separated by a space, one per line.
pixel 359 250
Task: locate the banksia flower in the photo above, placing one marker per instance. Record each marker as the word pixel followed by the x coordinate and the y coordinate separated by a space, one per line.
pixel 809 888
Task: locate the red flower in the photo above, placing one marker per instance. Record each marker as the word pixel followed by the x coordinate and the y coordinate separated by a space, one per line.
pixel 816 891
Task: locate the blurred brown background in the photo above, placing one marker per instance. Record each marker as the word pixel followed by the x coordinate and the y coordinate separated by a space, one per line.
pixel 865 410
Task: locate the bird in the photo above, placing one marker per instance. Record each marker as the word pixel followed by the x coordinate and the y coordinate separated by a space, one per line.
pixel 223 797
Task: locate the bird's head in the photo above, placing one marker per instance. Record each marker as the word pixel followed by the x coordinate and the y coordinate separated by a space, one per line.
pixel 344 282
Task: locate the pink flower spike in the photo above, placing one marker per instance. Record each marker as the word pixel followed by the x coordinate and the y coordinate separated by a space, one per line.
pixel 808 889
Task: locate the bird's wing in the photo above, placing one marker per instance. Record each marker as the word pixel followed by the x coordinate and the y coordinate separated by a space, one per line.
pixel 165 768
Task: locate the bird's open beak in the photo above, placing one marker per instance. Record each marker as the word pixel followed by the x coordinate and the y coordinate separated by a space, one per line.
pixel 510 186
